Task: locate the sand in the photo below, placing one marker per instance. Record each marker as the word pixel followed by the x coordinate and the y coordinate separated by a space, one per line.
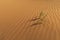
pixel 15 16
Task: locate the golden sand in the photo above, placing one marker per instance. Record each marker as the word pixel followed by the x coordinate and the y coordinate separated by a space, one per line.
pixel 15 16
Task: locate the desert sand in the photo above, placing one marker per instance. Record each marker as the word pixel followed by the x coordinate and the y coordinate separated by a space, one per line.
pixel 15 16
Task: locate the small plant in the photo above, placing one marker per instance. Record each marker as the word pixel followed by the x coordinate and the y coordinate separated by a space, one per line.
pixel 38 20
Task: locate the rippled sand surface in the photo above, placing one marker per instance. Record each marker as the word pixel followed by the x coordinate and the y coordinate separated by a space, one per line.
pixel 15 16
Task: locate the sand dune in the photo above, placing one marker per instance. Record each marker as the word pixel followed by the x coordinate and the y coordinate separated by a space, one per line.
pixel 15 16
